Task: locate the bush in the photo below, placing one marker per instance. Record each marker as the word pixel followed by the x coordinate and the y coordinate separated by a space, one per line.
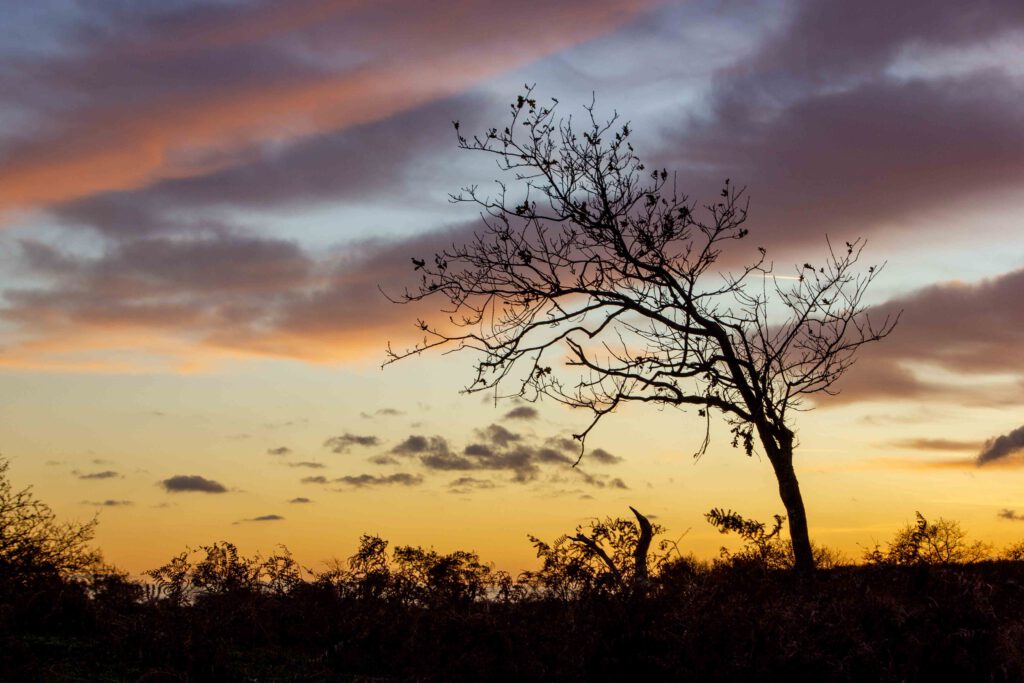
pixel 927 543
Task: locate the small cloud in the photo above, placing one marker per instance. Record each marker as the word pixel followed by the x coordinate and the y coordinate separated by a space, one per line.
pixel 285 423
pixel 467 484
pixel 53 463
pixel 108 503
pixel 1011 515
pixel 1002 446
pixel 498 435
pixel 522 413
pixel 105 474
pixel 307 463
pixel 381 412
pixel 191 482
pixel 341 444
pixel 420 444
pixel 300 500
pixel 280 450
pixel 924 444
pixel 264 518
pixel 319 479
pixel 382 460
pixel 602 456
pixel 363 480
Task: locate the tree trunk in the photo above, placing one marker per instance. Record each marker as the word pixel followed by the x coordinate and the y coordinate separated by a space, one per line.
pixel 789 491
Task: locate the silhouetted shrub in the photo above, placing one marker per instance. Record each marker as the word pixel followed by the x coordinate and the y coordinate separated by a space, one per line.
pixel 941 542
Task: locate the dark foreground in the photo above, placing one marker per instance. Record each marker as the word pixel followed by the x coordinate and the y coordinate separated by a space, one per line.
pixel 429 617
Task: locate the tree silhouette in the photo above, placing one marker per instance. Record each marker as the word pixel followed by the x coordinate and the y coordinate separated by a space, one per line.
pixel 592 262
pixel 33 544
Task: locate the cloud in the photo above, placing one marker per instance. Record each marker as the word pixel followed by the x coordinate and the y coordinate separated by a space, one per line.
pixel 264 518
pixel 106 474
pixel 925 444
pixel 1011 515
pixel 300 500
pixel 109 503
pixel 382 459
pixel 416 444
pixel 319 479
pixel 981 342
pixel 807 118
pixel 1002 446
pixel 341 444
pixel 603 457
pixel 1011 462
pixel 365 480
pixel 498 435
pixel 280 450
pixel 522 413
pixel 501 450
pixel 108 119
pixel 308 464
pixel 191 482
pixel 471 482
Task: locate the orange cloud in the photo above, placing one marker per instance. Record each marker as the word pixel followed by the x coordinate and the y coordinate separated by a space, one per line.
pixel 202 126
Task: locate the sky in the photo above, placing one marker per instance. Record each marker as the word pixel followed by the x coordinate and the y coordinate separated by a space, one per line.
pixel 200 203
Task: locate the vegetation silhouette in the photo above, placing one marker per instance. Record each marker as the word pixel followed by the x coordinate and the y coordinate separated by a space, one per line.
pixel 588 254
pixel 611 600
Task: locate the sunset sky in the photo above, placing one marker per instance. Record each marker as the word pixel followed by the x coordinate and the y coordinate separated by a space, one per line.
pixel 199 201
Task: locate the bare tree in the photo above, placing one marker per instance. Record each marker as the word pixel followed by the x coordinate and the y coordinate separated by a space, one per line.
pixel 594 282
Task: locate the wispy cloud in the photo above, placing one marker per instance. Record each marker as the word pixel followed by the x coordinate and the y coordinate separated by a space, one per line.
pixel 262 518
pixel 367 480
pixel 342 444
pixel 105 474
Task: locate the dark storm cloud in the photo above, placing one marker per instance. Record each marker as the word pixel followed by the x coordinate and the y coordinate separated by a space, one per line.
pixel 1002 446
pixel 191 482
pixel 341 444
